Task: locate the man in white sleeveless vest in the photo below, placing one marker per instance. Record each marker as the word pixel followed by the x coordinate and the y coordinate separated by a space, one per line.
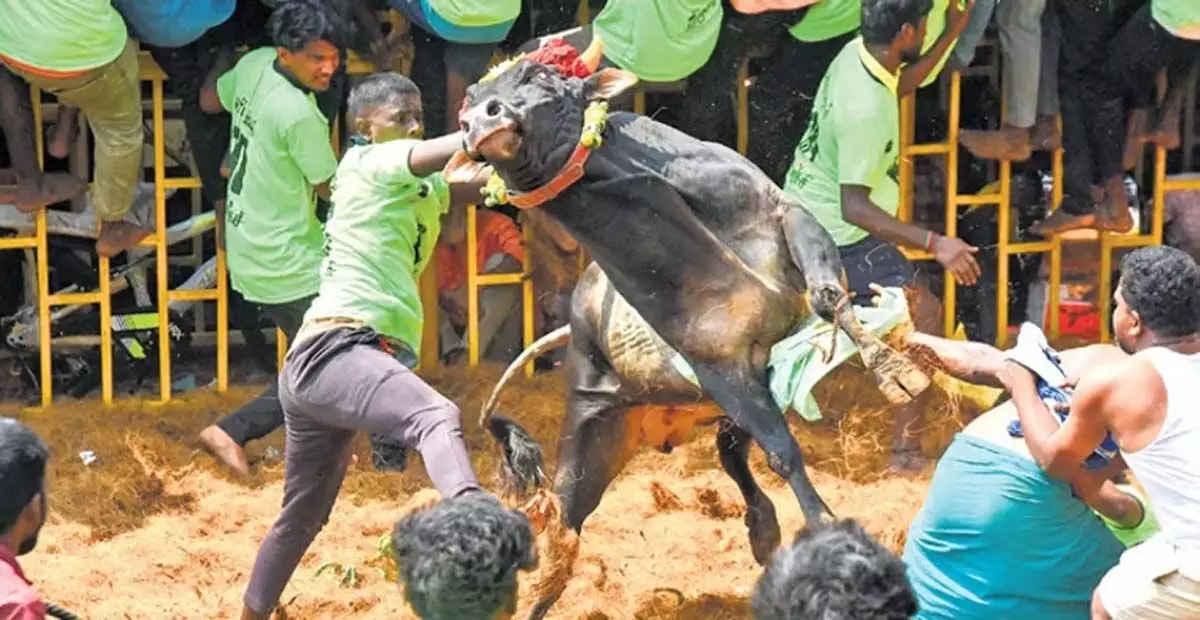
pixel 1148 402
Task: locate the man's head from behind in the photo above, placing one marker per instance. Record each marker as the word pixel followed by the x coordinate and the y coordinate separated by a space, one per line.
pixel 459 559
pixel 307 36
pixel 834 572
pixel 1157 299
pixel 23 457
pixel 896 24
pixel 386 106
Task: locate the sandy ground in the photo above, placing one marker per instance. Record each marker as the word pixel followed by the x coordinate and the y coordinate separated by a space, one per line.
pixel 153 530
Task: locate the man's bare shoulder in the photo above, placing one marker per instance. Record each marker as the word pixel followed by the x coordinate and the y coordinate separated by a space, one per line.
pixel 1081 360
pixel 1126 383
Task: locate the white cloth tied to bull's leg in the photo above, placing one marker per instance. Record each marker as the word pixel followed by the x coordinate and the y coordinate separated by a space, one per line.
pixel 797 362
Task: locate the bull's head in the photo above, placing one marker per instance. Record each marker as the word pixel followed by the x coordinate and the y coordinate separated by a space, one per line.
pixel 526 121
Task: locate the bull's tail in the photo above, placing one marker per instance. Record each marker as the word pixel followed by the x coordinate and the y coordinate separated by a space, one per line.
pixel 522 471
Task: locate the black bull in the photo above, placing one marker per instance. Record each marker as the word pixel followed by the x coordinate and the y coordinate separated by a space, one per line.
pixel 700 253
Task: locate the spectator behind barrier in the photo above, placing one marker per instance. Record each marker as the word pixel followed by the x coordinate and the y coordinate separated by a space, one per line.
pixel 499 249
pixel 834 572
pixel 459 559
pixel 80 52
pixel 453 42
pixel 23 458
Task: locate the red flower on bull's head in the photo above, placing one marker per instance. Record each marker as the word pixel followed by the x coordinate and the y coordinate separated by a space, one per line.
pixel 557 54
pixel 562 56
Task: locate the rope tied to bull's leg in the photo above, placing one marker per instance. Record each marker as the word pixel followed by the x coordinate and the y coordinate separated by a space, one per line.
pixel 833 334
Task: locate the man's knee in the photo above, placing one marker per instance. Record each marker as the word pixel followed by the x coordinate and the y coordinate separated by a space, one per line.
pixel 443 417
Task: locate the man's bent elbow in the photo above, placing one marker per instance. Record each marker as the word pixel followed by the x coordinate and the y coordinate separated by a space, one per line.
pixel 210 102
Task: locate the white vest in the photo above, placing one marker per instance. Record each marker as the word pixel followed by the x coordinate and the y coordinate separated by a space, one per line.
pixel 1169 466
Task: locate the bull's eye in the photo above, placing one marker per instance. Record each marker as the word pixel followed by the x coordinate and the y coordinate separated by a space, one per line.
pixel 493 108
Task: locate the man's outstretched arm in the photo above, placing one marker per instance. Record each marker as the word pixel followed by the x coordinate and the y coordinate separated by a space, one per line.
pixel 1060 451
pixel 973 362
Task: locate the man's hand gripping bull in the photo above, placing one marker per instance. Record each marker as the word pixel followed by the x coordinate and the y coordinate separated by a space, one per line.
pixel 701 254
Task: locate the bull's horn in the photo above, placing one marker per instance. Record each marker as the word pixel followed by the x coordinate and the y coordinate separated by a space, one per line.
pixel 553 340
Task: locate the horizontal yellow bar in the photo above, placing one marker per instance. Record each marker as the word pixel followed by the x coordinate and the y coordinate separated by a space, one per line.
pixel 977 199
pixel 18 243
pixel 70 299
pixel 938 148
pixel 493 279
pixel 356 65
pixel 1030 247
pixel 148 69
pixel 182 183
pixel 1181 182
pixel 209 294
pixel 1130 241
pixel 916 254
pixel 149 242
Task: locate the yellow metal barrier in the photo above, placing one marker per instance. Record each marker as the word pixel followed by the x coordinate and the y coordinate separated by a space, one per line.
pixel 477 280
pixel 1001 199
pixel 37 243
pixel 152 73
pixel 1163 184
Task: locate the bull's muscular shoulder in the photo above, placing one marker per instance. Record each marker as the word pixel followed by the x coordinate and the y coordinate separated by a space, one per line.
pixel 708 172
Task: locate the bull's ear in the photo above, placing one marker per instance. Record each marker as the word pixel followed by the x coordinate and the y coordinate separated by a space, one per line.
pixel 608 84
pixel 461 169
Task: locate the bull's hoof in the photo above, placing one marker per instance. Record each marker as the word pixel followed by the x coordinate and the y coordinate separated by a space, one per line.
pixel 763 527
pixel 898 377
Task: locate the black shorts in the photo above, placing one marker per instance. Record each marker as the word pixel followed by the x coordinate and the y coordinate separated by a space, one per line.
pixel 874 261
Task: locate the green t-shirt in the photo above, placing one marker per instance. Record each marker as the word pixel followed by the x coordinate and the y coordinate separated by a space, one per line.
pixel 1179 17
pixel 279 148
pixel 934 27
pixel 61 35
pixel 476 13
pixel 853 138
pixel 659 40
pixel 828 19
pixel 833 18
pixel 380 236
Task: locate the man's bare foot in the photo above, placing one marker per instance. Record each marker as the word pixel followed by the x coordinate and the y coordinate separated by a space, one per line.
pixel 1060 222
pixel 1113 211
pixel 117 237
pixel 225 450
pixel 1166 134
pixel 1007 143
pixel 50 189
pixel 1045 135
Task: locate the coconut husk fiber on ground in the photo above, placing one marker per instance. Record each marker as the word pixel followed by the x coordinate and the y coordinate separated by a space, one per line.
pixel 154 529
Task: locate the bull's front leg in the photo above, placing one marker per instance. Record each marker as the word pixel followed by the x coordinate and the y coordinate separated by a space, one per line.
pixel 814 251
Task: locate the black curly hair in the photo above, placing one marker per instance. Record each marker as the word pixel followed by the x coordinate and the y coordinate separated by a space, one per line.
pixel 296 23
pixel 459 559
pixel 834 572
pixel 883 19
pixel 23 458
pixel 1162 285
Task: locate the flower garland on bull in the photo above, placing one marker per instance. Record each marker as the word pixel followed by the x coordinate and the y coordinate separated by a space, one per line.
pixel 564 58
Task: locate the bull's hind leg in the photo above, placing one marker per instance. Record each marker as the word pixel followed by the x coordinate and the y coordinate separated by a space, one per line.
pixel 814 251
pixel 743 396
pixel 733 446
